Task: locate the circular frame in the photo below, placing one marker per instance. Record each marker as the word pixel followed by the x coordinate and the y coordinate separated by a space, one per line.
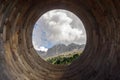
pixel 98 58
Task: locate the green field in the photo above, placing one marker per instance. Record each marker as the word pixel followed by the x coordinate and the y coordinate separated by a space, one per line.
pixel 63 59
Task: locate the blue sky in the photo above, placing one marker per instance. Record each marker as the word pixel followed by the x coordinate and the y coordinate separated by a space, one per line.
pixel 39 35
pixel 57 26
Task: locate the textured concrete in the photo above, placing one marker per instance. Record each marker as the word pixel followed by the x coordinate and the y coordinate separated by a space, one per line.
pixel 99 61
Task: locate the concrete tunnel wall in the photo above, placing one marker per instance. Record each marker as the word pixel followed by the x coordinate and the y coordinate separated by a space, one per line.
pixel 99 61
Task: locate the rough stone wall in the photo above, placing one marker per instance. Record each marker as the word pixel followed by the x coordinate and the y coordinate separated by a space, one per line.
pixel 3 70
pixel 99 61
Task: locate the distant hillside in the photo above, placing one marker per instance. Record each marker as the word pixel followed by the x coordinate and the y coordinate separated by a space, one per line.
pixel 63 59
pixel 60 49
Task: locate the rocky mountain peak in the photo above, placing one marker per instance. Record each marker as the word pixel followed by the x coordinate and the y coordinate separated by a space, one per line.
pixel 60 48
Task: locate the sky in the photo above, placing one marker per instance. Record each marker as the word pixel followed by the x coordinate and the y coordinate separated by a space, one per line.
pixel 57 27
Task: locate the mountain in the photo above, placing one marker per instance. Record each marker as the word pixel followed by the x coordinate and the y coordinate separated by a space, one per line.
pixel 57 49
pixel 42 53
pixel 60 48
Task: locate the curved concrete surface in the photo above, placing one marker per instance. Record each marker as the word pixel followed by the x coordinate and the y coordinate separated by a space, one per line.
pixel 99 61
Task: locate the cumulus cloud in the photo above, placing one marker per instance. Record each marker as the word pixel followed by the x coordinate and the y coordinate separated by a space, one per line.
pixel 42 48
pixel 58 26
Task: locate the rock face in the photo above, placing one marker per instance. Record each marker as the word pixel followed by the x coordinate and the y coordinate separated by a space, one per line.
pixel 57 49
pixel 60 48
pixel 99 61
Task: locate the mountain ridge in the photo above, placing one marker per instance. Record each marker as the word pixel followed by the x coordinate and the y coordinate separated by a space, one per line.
pixel 59 49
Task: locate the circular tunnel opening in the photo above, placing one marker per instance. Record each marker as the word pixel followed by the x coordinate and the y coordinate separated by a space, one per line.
pixel 100 58
pixel 59 37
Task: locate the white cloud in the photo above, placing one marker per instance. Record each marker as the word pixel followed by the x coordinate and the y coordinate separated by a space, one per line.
pixel 42 48
pixel 60 26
